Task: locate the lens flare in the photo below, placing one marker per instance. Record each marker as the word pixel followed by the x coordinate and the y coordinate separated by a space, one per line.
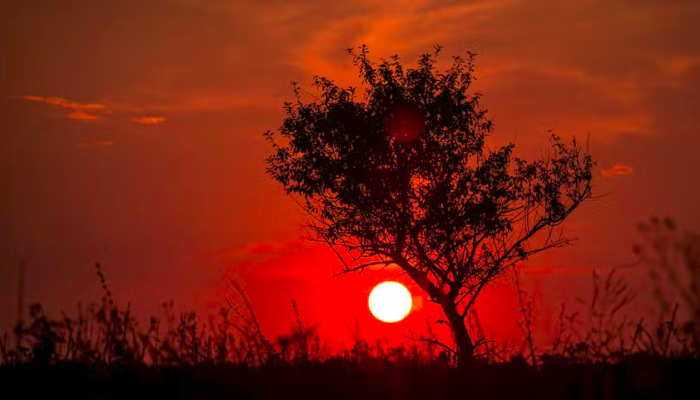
pixel 405 123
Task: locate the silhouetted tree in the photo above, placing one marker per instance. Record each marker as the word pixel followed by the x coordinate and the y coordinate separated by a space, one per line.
pixel 399 174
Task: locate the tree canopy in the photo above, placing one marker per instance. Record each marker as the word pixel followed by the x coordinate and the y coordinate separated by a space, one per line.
pixel 399 173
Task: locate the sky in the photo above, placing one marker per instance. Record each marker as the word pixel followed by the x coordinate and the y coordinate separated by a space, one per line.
pixel 131 135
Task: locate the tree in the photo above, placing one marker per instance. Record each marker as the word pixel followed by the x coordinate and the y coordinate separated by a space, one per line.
pixel 401 175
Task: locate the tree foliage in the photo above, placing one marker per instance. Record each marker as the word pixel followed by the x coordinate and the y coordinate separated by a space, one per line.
pixel 400 173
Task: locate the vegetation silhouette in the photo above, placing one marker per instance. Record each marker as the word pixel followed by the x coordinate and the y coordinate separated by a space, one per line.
pixel 400 174
pixel 104 352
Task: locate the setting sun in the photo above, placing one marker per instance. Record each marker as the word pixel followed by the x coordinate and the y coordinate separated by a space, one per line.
pixel 390 301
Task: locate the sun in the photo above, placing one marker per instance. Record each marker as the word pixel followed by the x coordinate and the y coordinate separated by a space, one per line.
pixel 390 301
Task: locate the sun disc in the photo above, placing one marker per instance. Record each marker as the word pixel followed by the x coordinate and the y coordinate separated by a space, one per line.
pixel 390 301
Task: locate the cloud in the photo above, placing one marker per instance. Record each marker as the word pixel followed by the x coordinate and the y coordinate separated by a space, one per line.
pixel 531 97
pixel 75 110
pixel 61 102
pixel 680 65
pixel 402 27
pixel 82 116
pixel 95 111
pixel 617 170
pixel 608 72
pixel 148 120
pixel 165 101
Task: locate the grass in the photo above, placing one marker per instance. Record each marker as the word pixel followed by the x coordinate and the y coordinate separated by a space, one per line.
pixel 102 351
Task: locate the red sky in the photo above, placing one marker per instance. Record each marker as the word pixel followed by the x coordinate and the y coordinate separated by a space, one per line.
pixel 131 134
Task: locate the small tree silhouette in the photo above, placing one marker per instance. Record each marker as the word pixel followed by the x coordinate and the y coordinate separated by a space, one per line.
pixel 400 175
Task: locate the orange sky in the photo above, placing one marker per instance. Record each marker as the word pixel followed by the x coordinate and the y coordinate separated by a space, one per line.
pixel 131 134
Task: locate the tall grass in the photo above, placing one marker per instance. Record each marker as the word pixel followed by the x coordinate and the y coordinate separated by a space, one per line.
pixel 104 334
pixel 606 331
pixel 603 332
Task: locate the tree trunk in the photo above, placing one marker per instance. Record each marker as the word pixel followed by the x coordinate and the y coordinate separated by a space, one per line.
pixel 465 347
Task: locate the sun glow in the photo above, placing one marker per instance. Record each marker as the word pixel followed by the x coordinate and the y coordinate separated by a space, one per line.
pixel 390 301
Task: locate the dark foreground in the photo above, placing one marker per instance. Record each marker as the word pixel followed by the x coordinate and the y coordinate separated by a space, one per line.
pixel 636 378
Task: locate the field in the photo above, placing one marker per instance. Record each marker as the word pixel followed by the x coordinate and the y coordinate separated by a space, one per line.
pixel 103 352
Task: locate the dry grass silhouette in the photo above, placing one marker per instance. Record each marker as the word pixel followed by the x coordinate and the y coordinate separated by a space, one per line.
pixel 102 351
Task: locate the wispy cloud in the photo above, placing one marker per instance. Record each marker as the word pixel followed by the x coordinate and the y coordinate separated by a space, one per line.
pixel 95 111
pixel 402 27
pixel 681 65
pixel 75 110
pixel 617 170
pixel 65 103
pixel 82 115
pixel 148 120
pixel 514 52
